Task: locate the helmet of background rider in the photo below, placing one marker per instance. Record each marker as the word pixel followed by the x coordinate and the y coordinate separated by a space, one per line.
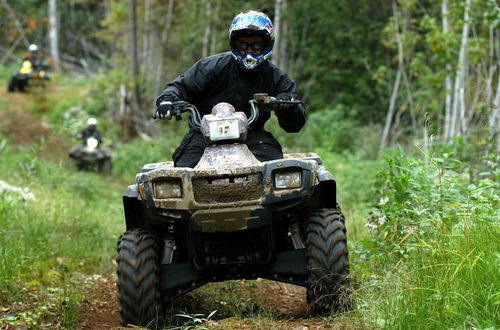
pixel 251 23
pixel 33 48
pixel 91 123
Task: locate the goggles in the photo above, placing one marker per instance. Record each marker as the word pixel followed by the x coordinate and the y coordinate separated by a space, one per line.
pixel 256 46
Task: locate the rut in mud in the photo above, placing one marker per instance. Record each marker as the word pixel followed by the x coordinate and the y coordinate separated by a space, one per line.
pixel 259 304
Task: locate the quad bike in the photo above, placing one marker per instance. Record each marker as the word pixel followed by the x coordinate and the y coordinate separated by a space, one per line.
pixel 230 217
pixel 20 80
pixel 91 157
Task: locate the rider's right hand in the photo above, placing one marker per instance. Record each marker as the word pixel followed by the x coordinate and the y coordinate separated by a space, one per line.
pixel 163 110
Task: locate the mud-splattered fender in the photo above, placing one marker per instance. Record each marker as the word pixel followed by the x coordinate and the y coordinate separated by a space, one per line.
pixel 131 207
pixel 326 188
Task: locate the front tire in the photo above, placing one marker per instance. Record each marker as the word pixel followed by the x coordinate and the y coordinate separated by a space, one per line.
pixel 138 279
pixel 328 262
pixel 11 87
pixel 105 166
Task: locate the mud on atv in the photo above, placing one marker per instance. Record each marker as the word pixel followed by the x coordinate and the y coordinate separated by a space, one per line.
pixel 230 217
pixel 91 157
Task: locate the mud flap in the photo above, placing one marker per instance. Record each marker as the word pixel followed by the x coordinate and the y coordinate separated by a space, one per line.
pixel 289 267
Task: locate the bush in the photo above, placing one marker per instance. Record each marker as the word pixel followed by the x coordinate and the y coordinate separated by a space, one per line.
pixel 434 251
pixel 332 131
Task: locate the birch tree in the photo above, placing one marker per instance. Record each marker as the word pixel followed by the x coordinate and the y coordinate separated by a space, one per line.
pixel 54 34
pixel 278 6
pixel 448 79
pixel 458 122
pixel 397 81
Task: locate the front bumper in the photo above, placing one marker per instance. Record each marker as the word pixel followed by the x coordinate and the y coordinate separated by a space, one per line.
pixel 203 190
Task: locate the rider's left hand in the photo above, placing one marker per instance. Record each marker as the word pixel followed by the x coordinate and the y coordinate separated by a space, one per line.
pixel 284 97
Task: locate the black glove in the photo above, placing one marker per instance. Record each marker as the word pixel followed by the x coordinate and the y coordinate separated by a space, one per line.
pixel 284 97
pixel 166 109
pixel 163 110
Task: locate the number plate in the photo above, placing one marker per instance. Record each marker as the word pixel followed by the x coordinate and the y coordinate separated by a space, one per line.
pixel 226 129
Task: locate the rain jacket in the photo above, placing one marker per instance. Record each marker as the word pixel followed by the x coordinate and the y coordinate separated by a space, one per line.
pixel 219 78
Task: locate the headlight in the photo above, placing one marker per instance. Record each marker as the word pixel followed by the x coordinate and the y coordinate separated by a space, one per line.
pixel 288 180
pixel 92 143
pixel 168 189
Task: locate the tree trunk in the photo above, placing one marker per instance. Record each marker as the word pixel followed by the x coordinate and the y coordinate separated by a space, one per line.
pixel 164 39
pixel 145 57
pixel 459 122
pixel 448 83
pixel 283 41
pixel 17 23
pixel 277 32
pixel 395 89
pixel 208 29
pixel 134 52
pixel 54 34
pixel 213 36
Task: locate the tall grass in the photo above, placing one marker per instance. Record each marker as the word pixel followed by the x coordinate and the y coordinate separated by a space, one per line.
pixel 49 243
pixel 434 253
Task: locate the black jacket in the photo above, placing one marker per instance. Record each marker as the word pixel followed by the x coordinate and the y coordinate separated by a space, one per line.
pixel 219 78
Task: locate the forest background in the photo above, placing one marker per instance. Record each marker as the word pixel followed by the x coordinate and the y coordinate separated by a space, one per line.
pixel 403 100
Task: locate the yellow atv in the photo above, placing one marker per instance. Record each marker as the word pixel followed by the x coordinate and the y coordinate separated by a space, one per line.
pixel 20 79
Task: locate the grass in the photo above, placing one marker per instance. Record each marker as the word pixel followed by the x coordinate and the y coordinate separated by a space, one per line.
pixel 49 242
pixel 432 261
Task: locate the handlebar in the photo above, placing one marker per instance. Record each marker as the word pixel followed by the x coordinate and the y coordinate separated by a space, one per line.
pixel 260 101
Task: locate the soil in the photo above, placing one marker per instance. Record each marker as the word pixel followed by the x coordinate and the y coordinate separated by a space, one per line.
pixel 99 310
pixel 21 128
pixel 286 304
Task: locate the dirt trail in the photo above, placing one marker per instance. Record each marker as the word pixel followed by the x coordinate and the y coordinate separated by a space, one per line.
pixel 22 128
pixel 283 306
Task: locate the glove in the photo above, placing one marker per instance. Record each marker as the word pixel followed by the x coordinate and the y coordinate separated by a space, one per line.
pixel 165 110
pixel 284 97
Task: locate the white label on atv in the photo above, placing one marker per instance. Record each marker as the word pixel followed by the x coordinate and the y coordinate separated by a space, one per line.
pixel 226 129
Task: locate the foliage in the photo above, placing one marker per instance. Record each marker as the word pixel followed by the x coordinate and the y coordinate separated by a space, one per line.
pixel 434 234
pixel 130 157
pixel 334 47
pixel 62 228
pixel 331 131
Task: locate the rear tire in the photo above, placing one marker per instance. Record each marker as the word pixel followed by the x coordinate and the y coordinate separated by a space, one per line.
pixel 328 262
pixel 138 279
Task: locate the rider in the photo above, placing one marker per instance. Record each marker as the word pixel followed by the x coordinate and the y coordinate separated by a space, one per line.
pixel 33 62
pixel 234 77
pixel 90 131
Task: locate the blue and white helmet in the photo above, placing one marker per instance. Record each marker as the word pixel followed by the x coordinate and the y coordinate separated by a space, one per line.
pixel 251 23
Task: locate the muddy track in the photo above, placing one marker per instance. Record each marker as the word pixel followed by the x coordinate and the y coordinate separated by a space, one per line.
pixel 22 128
pixel 259 304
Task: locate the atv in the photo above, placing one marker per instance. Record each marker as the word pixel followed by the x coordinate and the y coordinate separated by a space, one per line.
pixel 91 157
pixel 20 80
pixel 230 217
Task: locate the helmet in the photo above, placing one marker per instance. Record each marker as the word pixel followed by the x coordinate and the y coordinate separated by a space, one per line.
pixel 33 48
pixel 92 122
pixel 251 23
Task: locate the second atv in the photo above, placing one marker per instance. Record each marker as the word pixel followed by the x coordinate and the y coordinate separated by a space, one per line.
pixel 91 156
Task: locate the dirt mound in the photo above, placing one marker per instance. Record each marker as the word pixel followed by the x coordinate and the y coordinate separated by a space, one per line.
pixel 100 309
pixel 21 128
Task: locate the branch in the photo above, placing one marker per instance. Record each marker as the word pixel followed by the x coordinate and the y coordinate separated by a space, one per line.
pixel 18 24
